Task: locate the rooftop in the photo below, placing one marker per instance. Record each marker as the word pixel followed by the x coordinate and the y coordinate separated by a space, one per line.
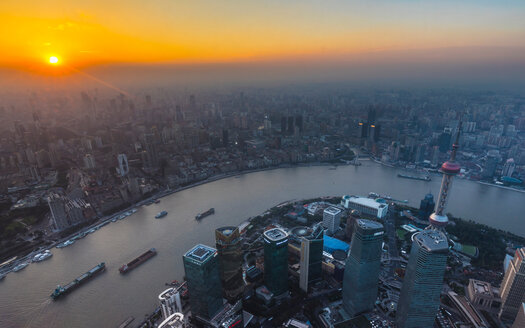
pixel 432 240
pixel 369 224
pixel 275 234
pixel 227 231
pixel 200 253
pixel 332 210
pixel 365 201
pixel 481 287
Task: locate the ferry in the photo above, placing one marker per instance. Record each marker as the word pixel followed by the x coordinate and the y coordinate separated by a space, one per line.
pixel 161 215
pixel 62 290
pixel 114 220
pixel 157 201
pixel 137 261
pixel 66 243
pixel 406 176
pixel 2 276
pixel 42 256
pixel 19 267
pixel 205 214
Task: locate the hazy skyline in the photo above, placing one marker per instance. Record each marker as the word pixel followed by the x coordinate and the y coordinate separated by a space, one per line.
pixel 319 40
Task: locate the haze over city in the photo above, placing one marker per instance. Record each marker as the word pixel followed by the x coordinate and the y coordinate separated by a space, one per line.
pixel 259 164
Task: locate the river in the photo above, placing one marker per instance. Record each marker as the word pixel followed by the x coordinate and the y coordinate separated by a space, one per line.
pixel 110 298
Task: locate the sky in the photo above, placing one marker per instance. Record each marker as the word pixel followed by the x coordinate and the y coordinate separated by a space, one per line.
pixel 98 36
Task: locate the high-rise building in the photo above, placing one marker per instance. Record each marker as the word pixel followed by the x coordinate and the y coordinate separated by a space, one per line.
pixel 508 168
pixel 426 206
pixel 170 302
pixel 311 258
pixel 201 269
pixel 362 267
pixel 331 219
pixel 123 166
pixel 491 162
pixel 351 222
pixel 419 299
pixel 89 161
pixel 520 318
pixel 152 158
pixel 276 260
pixel 513 287
pixel 438 219
pixel 57 207
pixel 228 243
pixel 176 320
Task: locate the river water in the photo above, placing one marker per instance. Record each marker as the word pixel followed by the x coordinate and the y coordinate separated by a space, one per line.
pixel 110 298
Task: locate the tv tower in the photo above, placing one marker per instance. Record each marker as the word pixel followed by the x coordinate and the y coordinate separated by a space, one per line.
pixel 438 219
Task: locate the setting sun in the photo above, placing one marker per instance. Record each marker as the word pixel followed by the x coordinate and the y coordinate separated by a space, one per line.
pixel 53 60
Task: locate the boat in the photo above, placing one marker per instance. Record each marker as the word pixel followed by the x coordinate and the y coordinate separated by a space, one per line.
pixel 133 211
pixel 42 256
pixel 373 195
pixel 406 176
pixel 63 290
pixel 2 276
pixel 114 220
pixel 161 214
pixel 205 214
pixel 19 267
pixel 157 201
pixel 66 243
pixel 137 261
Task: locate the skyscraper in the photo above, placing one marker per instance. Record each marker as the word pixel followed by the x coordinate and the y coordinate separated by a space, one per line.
pixel 123 166
pixel 426 206
pixel 362 267
pixel 201 269
pixel 513 287
pixel 331 219
pixel 311 258
pixel 419 299
pixel 170 302
pixel 276 261
pixel 438 219
pixel 228 243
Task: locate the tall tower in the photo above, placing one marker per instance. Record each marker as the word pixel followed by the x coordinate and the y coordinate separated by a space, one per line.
pixel 228 243
pixel 513 287
pixel 438 219
pixel 419 299
pixel 362 267
pixel 311 258
pixel 204 283
pixel 276 261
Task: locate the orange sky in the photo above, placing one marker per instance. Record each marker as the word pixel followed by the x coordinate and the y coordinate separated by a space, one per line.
pixel 85 33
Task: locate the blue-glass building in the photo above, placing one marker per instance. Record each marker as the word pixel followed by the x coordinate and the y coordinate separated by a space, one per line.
pixel 201 268
pixel 360 282
pixel 276 261
pixel 419 299
pixel 311 258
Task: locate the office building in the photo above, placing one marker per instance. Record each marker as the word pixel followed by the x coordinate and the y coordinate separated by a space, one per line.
pixel 311 258
pixel 123 166
pixel 491 163
pixel 276 261
pixel 368 206
pixel 483 296
pixel 360 282
pixel 228 243
pixel 426 206
pixel 519 322
pixel 176 320
pixel 419 299
pixel 351 222
pixel 201 269
pixel 508 168
pixel 89 161
pixel 332 219
pixel 512 288
pixel 170 302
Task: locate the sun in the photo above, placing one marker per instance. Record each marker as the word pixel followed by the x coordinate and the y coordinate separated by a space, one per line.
pixel 53 60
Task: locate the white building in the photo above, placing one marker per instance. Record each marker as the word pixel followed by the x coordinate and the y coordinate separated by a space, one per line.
pixel 176 320
pixel 170 302
pixel 123 166
pixel 331 219
pixel 89 161
pixel 365 205
pixel 508 168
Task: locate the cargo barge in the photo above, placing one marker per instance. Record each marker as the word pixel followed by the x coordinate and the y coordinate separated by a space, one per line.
pixel 425 178
pixel 137 261
pixel 205 214
pixel 59 291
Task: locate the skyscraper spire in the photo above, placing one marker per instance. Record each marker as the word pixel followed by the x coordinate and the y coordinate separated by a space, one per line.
pixel 438 219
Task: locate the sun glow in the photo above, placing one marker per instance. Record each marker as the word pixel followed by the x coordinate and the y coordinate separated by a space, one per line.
pixel 53 60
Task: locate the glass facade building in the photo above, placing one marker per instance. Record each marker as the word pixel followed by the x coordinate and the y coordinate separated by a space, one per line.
pixel 513 287
pixel 360 282
pixel 201 268
pixel 311 258
pixel 228 243
pixel 419 299
pixel 276 261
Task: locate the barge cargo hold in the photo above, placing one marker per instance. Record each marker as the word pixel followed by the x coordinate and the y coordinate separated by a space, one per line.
pixel 60 291
pixel 137 261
